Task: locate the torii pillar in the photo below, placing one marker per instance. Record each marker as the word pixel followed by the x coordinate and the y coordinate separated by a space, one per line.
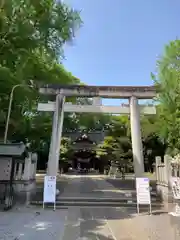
pixel 54 151
pixel 137 148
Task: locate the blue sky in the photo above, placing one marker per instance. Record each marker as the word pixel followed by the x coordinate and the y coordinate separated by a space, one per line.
pixel 120 40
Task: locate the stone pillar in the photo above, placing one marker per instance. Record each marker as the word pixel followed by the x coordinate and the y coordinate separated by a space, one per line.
pixel 33 171
pixel 51 144
pixel 27 169
pixel 60 128
pixel 53 161
pixel 52 169
pixel 136 137
pixel 158 162
pixel 167 163
pixel 19 174
pixel 34 159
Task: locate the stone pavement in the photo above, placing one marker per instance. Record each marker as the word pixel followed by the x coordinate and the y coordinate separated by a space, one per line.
pixel 98 187
pixel 31 223
pixel 87 186
pixel 117 224
pixel 93 223
pixel 85 223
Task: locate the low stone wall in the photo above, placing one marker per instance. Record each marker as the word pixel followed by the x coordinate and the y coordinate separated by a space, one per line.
pixel 24 190
pixel 24 183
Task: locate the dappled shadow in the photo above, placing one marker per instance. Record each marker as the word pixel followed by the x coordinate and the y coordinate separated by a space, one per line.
pixel 127 184
pixel 88 227
pixel 106 224
pixel 92 222
pixel 88 223
pixel 159 213
pixel 29 224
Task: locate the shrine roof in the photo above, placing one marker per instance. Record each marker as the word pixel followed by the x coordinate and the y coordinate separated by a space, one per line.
pixel 12 149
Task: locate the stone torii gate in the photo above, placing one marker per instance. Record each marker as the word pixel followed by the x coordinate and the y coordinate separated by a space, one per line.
pixel 97 92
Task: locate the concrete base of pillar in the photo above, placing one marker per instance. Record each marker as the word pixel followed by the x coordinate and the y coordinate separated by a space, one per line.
pixel 24 190
pixel 57 191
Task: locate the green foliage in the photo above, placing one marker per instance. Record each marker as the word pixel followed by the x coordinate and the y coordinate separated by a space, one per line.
pixel 167 80
pixel 116 146
pixel 32 35
pixel 66 149
pixel 149 126
pixel 119 126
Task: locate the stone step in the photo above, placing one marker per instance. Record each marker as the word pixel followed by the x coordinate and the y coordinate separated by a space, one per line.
pixel 88 198
pixel 82 203
pixel 101 199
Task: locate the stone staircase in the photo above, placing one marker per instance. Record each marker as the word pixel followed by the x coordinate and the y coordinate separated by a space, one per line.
pixel 99 202
pixel 76 194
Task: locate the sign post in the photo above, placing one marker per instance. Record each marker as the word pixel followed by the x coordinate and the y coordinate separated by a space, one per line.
pixel 143 193
pixel 49 195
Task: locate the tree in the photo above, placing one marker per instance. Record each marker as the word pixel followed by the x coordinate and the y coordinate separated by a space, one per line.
pixel 32 34
pixel 119 126
pixel 167 80
pixel 66 153
pixel 116 146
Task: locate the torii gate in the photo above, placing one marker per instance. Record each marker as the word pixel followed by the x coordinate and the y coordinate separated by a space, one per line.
pixel 97 92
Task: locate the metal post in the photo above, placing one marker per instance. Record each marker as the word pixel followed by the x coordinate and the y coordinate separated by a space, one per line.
pixel 9 111
pixel 10 107
pixel 136 137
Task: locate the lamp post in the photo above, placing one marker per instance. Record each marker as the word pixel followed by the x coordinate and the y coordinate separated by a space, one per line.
pixel 10 107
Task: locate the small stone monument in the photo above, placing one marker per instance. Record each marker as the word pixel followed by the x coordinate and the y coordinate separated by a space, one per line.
pixel 175 185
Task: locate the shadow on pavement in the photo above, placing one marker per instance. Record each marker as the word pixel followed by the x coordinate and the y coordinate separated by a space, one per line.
pixel 112 224
pixel 127 184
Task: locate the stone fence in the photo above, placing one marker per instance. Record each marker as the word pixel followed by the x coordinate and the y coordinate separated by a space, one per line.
pixel 25 177
pixel 26 171
pixel 165 169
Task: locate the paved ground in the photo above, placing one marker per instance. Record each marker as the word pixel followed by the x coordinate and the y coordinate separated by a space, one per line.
pixel 97 186
pixel 28 224
pixel 86 223
pixel 92 186
pixel 116 224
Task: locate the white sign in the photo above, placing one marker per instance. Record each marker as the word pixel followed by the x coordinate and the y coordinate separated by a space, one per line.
pixel 49 195
pixel 143 191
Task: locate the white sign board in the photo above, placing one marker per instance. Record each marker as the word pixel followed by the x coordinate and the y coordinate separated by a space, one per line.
pixel 49 195
pixel 143 192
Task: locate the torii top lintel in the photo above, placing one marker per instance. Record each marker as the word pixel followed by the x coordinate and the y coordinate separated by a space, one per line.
pixel 141 92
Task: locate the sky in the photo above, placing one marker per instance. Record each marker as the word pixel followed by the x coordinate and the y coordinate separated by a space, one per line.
pixel 120 40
